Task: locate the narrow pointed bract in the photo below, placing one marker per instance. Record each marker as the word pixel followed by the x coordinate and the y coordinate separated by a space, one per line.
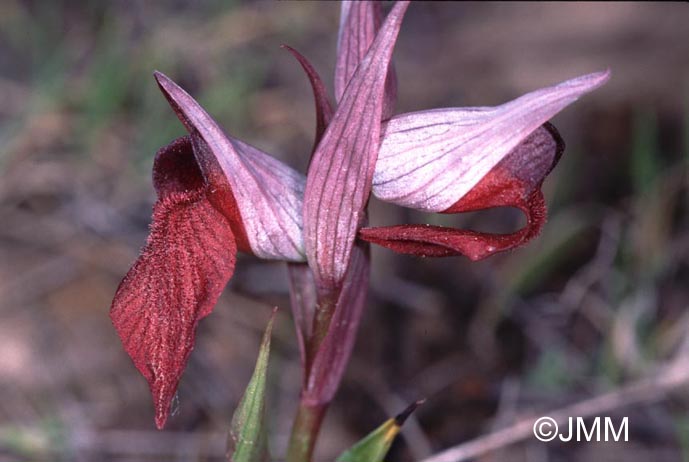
pixel 268 193
pixel 375 446
pixel 303 299
pixel 248 437
pixel 324 110
pixel 339 179
pixel 329 362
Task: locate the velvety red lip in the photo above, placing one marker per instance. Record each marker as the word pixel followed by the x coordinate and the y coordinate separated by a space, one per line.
pixel 188 259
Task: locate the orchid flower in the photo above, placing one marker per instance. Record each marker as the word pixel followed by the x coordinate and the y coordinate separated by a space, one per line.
pixel 218 195
pixel 454 160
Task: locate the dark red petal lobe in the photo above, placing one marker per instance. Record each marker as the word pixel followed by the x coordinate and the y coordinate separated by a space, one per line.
pixel 188 258
pixel 324 110
pixel 185 165
pixel 219 191
pixel 515 182
pixel 175 169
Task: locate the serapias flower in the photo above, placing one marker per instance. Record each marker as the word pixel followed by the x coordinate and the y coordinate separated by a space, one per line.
pixel 218 195
pixel 463 159
pixel 454 160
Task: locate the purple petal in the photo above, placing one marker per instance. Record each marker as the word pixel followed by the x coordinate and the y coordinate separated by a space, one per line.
pixel 339 180
pixel 429 160
pixel 324 111
pixel 515 182
pixel 359 24
pixel 331 359
pixel 268 193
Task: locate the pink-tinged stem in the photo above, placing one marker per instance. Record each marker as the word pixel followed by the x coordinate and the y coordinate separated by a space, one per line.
pixel 305 430
pixel 327 349
pixel 321 323
pixel 334 209
pixel 307 423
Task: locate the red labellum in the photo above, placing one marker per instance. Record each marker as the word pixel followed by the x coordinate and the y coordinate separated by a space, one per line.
pixel 188 259
pixel 219 192
pixel 253 188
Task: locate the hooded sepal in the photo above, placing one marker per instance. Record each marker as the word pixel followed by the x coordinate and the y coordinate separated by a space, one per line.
pixel 188 259
pixel 339 180
pixel 267 193
pixel 429 160
pixel 514 182
pixel 360 21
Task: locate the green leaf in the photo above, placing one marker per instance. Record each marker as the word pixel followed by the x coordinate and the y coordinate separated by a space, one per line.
pixel 377 443
pixel 247 440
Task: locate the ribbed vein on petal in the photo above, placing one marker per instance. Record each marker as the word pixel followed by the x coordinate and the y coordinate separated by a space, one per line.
pixel 514 182
pixel 339 179
pixel 268 193
pixel 359 24
pixel 429 160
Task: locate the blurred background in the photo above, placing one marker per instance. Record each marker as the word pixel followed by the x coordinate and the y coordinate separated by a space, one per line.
pixel 595 304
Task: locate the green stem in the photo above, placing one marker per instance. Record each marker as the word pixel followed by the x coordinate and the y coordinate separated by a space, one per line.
pixel 307 422
pixel 305 430
pixel 321 324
